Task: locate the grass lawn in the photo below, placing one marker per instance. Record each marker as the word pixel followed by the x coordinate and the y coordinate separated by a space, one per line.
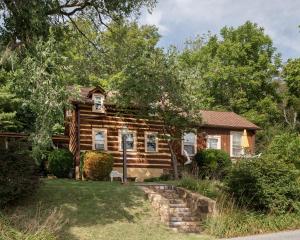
pixel 95 210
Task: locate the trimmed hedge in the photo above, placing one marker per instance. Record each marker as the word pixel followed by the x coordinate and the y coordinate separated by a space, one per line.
pixel 213 163
pixel 265 184
pixel 18 175
pixel 60 162
pixel 97 165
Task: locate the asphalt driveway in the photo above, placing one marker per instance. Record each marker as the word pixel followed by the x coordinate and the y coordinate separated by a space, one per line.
pixel 287 235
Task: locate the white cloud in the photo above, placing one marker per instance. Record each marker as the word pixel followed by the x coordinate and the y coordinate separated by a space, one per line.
pixel 178 20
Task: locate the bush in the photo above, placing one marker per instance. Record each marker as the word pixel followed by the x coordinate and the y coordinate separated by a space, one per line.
pixel 265 184
pixel 286 147
pixel 60 162
pixel 213 163
pixel 18 175
pixel 206 188
pixel 163 177
pixel 97 165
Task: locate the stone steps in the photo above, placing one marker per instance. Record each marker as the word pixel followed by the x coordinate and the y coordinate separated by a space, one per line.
pixel 181 209
pixel 183 219
pixel 179 215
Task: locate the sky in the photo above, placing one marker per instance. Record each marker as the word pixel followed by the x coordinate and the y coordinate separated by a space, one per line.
pixel 179 20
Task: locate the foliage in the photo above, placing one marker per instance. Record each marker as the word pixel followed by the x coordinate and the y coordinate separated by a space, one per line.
pixel 103 67
pixel 265 184
pixel 291 96
pixel 232 221
pixel 60 162
pixel 286 147
pixel 18 175
pixel 237 71
pixel 20 227
pixel 208 188
pixel 213 163
pixel 163 177
pixel 39 80
pixel 152 82
pixel 97 165
pixel 24 22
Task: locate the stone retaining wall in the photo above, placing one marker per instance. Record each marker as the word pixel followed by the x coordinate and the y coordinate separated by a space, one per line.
pixel 159 203
pixel 200 205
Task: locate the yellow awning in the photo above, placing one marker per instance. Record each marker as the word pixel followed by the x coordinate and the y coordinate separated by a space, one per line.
pixel 245 142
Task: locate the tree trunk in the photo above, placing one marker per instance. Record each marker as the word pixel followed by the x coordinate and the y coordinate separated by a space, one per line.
pixel 174 160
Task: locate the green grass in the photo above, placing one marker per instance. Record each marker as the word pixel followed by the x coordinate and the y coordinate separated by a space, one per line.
pixel 93 210
pixel 239 222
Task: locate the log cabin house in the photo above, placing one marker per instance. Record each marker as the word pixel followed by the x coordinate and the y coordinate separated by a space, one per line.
pixel 93 124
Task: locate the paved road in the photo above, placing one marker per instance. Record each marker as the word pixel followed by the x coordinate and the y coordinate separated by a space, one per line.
pixel 288 235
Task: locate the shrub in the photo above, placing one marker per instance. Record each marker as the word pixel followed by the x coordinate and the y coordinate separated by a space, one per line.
pixel 18 175
pixel 213 163
pixel 206 188
pixel 286 147
pixel 163 177
pixel 60 162
pixel 265 184
pixel 97 165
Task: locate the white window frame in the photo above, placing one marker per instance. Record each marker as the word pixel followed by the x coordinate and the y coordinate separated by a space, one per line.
pixel 146 140
pixel 231 142
pixel 102 109
pixel 94 131
pixel 134 141
pixel 219 144
pixel 195 144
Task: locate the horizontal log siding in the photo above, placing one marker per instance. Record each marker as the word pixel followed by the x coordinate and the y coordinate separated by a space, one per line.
pixel 113 121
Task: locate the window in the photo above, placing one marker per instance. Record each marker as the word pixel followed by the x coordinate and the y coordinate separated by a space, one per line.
pixel 100 139
pixel 130 140
pixel 236 149
pixel 151 142
pixel 213 142
pixel 189 143
pixel 98 103
pixel 69 113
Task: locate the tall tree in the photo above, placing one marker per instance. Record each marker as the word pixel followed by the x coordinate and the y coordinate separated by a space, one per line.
pixel 27 20
pixel 39 81
pixel 291 90
pixel 116 45
pixel 238 70
pixel 152 83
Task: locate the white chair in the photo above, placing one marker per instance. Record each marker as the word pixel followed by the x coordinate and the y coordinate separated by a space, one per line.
pixel 115 174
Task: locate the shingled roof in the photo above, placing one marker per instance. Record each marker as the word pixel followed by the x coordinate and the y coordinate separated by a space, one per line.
pixel 226 120
pixel 209 118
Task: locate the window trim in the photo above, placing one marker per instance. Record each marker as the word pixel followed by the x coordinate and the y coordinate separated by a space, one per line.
pixel 231 143
pixel 102 109
pixel 134 141
pixel 219 146
pixel 94 131
pixel 195 144
pixel 156 141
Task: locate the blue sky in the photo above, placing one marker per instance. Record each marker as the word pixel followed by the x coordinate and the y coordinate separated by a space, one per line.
pixel 179 20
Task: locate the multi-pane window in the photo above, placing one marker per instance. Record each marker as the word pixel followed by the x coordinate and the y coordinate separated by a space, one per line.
pixel 151 142
pixel 236 144
pixel 213 142
pixel 98 102
pixel 99 139
pixel 130 140
pixel 189 143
